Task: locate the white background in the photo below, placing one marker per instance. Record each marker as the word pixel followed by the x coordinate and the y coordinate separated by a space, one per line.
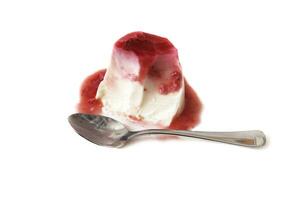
pixel 242 58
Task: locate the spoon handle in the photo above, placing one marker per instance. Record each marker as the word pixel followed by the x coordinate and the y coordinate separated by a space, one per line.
pixel 251 138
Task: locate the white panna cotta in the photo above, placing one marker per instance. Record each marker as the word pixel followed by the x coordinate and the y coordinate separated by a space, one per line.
pixel 144 84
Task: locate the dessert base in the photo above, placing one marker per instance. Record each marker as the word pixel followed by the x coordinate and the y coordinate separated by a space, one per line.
pixel 187 119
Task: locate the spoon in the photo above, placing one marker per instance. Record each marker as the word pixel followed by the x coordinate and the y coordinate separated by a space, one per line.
pixel 106 131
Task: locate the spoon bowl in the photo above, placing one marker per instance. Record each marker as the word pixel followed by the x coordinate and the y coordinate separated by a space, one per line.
pixel 98 129
pixel 106 131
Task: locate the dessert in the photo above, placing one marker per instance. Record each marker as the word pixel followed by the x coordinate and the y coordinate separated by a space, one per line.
pixel 143 87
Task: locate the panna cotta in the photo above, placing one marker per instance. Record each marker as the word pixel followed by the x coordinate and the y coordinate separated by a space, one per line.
pixel 144 82
pixel 143 87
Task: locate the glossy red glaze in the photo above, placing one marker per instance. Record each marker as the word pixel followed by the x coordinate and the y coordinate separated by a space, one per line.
pixel 88 103
pixel 190 116
pixel 157 58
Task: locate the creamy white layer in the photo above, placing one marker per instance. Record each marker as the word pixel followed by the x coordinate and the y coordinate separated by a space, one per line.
pixel 129 100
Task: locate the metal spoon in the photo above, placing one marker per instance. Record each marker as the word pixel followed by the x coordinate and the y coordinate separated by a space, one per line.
pixel 106 131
